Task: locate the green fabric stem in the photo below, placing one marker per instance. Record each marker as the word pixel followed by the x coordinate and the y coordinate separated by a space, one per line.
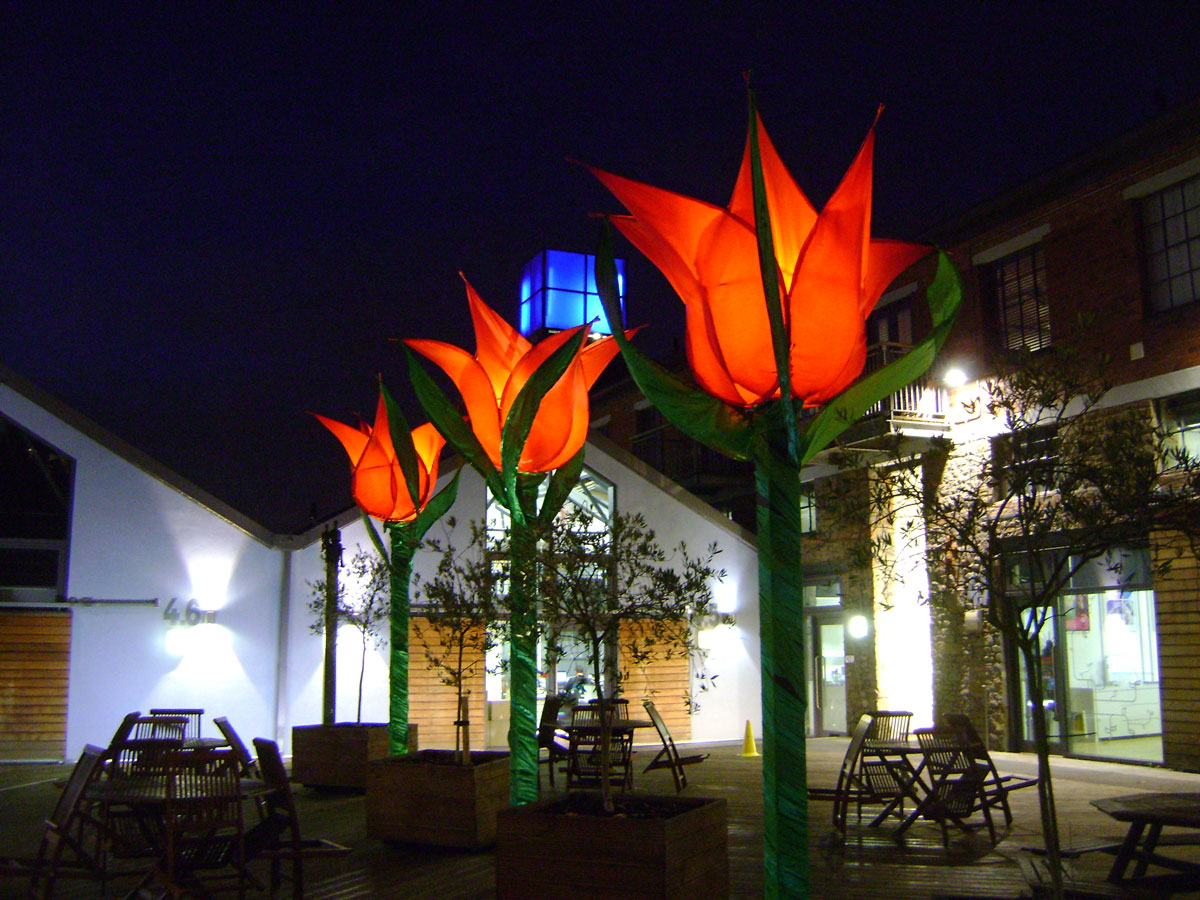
pixel 522 665
pixel 401 577
pixel 781 630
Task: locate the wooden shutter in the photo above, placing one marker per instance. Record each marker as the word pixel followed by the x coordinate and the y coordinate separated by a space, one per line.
pixel 35 654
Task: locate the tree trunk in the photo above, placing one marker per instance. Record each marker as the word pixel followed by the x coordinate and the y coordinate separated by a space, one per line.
pixel 331 549
pixel 1045 786
pixel 781 629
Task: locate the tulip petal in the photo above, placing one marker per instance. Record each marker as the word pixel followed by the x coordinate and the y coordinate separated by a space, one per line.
pixel 475 387
pixel 793 217
pixel 354 440
pixel 886 259
pixel 498 346
pixel 596 355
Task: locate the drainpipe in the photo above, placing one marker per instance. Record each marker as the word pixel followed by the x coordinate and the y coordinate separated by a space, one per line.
pixel 281 712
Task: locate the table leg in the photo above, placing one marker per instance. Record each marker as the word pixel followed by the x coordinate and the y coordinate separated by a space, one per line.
pixel 1147 850
pixel 1126 851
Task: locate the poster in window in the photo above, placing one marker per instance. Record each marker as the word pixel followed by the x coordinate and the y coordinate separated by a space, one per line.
pixel 1076 616
pixel 1121 608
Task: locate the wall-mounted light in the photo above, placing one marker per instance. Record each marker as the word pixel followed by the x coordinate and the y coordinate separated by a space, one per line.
pixel 857 627
pixel 954 377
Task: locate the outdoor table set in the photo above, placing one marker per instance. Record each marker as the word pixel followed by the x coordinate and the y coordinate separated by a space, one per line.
pixel 945 775
pixel 1147 815
pixel 172 805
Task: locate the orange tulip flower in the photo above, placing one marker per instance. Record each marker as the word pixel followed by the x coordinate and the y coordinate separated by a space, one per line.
pixel 503 362
pixel 831 274
pixel 377 481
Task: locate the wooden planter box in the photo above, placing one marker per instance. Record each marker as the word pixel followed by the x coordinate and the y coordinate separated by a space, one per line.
pixel 425 798
pixel 543 850
pixel 337 755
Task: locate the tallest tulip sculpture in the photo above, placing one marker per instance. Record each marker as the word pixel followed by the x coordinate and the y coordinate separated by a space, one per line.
pixel 776 298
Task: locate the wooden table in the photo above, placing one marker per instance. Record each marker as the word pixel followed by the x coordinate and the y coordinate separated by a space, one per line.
pixel 583 764
pixel 1147 815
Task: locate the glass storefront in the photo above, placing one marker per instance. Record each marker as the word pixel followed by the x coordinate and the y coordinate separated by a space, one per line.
pixel 1099 655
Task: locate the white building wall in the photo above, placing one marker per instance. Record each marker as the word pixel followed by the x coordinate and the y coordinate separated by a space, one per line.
pixel 135 537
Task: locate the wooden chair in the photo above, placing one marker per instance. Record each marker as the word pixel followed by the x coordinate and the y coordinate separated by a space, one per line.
pixel 202 821
pixel 849 788
pixel 247 764
pixel 956 782
pixel 996 786
pixel 160 727
pixel 277 837
pixel 64 833
pixel 668 757
pixel 584 752
pixel 192 717
pixel 550 738
pixel 889 726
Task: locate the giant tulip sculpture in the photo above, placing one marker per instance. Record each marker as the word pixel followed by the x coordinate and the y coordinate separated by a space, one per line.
pixel 527 420
pixel 393 477
pixel 776 299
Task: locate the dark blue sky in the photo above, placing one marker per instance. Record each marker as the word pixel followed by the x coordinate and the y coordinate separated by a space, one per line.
pixel 214 220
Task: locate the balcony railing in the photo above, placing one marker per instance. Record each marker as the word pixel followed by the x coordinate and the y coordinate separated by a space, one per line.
pixel 920 405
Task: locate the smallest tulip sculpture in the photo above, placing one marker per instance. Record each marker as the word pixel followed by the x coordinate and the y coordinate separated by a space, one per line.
pixel 776 298
pixel 393 477
pixel 527 421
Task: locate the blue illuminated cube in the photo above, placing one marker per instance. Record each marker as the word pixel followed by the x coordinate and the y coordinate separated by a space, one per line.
pixel 558 291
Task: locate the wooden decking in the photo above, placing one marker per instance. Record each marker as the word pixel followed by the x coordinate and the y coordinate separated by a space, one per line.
pixel 870 864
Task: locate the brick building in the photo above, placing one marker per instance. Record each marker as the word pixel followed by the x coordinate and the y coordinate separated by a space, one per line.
pixel 1102 253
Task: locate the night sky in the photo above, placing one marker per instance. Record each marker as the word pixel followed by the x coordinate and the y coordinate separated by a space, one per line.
pixel 215 220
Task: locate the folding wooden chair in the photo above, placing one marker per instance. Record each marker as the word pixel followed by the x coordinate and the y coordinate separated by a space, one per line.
pixel 192 719
pixel 64 833
pixel 956 783
pixel 550 738
pixel 277 837
pixel 996 786
pixel 850 787
pixel 889 726
pixel 247 764
pixel 668 757
pixel 584 754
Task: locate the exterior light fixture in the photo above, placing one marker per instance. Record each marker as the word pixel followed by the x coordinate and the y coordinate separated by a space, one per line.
pixel 857 627
pixel 955 377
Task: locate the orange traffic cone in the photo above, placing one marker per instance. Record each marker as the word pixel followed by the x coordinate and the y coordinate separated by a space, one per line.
pixel 748 748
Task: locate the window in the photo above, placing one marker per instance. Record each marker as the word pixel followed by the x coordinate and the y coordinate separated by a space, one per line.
pixel 35 516
pixel 1017 283
pixel 1180 417
pixel 808 510
pixel 1171 238
pixel 1026 460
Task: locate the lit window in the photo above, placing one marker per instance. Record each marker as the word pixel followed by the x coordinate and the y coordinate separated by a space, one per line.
pixel 1180 417
pixel 1171 238
pixel 808 511
pixel 1018 287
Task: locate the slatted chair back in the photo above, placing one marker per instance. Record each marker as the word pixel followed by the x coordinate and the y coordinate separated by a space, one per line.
pixel 202 820
pixel 668 756
pixel 165 727
pixel 956 789
pixel 277 837
pixel 141 756
pixel 193 718
pixel 247 764
pixel 125 730
pixel 996 786
pixel 585 761
pixel 64 830
pixel 889 726
pixel 848 787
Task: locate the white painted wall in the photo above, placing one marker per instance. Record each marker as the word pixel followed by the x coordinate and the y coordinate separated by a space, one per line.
pixel 133 536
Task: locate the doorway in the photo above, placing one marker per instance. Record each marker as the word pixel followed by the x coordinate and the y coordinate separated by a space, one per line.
pixel 827 649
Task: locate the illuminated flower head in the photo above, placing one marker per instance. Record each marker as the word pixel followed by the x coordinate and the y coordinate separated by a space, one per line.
pixel 503 362
pixel 831 274
pixel 377 481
